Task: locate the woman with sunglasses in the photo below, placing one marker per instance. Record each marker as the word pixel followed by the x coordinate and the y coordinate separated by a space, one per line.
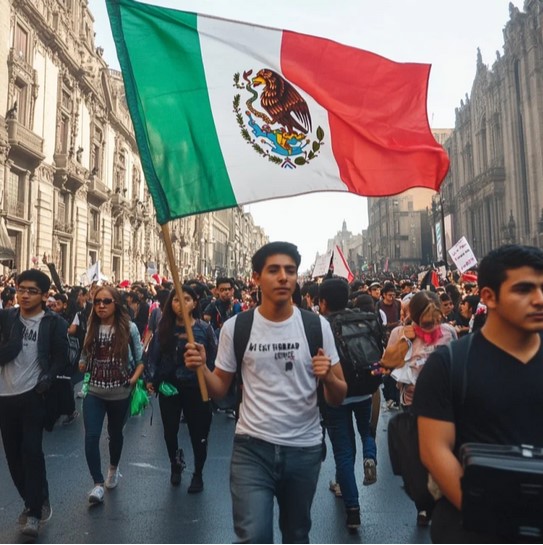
pixel 112 354
pixel 165 365
pixel 425 333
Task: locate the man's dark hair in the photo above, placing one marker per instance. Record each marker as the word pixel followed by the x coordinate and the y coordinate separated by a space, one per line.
pixel 335 291
pixel 8 295
pixel 224 280
pixel 34 275
pixel 454 293
pixel 389 286
pixel 275 248
pixel 365 302
pixel 444 297
pixel 494 266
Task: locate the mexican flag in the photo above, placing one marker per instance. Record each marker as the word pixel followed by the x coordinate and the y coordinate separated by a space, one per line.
pixel 226 113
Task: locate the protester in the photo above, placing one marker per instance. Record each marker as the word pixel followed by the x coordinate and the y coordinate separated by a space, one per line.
pixel 218 311
pixel 166 365
pixel 503 389
pixel 422 337
pixel 361 385
pixel 112 355
pixel 279 417
pixel 33 350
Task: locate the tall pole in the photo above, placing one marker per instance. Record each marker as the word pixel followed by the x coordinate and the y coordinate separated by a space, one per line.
pixel 443 237
pixel 184 310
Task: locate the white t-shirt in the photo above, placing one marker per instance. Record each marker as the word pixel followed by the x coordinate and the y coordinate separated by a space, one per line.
pixel 279 388
pixel 22 374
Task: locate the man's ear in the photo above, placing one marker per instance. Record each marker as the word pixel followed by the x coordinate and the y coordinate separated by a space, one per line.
pixel 488 297
pixel 256 278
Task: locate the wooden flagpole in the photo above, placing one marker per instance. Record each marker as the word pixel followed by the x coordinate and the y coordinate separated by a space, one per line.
pixel 184 310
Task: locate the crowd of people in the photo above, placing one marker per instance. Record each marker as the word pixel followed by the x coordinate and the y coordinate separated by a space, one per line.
pixel 273 354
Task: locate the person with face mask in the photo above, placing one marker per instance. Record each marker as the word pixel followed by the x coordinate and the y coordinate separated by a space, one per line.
pixel 425 333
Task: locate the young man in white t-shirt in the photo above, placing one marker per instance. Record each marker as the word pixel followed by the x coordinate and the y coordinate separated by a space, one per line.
pixel 278 442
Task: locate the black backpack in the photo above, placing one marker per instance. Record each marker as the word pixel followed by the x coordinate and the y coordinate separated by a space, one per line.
pixel 359 342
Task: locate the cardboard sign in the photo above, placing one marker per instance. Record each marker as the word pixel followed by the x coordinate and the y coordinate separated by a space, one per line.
pixel 462 255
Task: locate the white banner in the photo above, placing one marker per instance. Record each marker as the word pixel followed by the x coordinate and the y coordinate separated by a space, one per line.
pixel 462 255
pixel 322 264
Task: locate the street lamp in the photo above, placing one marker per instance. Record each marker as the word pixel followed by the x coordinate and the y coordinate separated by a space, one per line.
pixel 438 208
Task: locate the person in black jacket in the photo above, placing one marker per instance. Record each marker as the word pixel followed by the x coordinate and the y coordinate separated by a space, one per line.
pixel 33 351
pixel 166 365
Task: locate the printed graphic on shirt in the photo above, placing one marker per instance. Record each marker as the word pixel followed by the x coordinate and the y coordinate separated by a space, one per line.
pixel 287 352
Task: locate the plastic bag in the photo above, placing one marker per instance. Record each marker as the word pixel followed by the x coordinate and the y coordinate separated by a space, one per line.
pixel 138 399
pixel 85 387
pixel 167 389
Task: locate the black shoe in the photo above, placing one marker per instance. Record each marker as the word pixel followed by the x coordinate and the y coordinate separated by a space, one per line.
pixel 177 468
pixel 353 518
pixel 196 485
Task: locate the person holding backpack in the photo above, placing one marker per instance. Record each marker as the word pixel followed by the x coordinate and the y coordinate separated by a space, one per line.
pixel 278 440
pixel 358 337
pixel 112 355
pixel 165 365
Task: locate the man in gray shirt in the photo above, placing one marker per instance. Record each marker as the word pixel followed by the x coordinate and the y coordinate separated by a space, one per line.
pixel 33 349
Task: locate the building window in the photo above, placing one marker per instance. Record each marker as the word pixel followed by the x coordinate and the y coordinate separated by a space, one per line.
pixel 97 151
pixel 94 226
pixel 20 43
pixel 16 195
pixel 21 98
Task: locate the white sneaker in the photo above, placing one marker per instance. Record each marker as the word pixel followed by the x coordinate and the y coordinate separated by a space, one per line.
pixel 112 478
pixel 97 494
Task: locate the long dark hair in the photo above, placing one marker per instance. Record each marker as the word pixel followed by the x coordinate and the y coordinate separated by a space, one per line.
pixel 168 319
pixel 121 325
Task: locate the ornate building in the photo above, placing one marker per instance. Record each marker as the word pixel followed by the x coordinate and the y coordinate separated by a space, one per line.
pixel 494 191
pixel 72 187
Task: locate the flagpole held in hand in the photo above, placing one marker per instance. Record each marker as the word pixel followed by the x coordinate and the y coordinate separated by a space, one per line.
pixel 184 311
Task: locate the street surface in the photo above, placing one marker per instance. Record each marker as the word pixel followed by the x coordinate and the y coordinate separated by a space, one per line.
pixel 145 508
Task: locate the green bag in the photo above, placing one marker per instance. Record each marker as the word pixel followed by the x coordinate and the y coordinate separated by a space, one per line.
pixel 167 389
pixel 138 399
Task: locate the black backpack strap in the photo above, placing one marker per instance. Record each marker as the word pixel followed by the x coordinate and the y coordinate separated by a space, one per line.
pixel 242 333
pixel 313 331
pixel 458 355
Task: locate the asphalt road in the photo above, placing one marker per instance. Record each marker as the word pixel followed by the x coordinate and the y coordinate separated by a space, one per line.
pixel 145 508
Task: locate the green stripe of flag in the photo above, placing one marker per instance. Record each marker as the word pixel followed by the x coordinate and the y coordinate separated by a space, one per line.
pixel 160 56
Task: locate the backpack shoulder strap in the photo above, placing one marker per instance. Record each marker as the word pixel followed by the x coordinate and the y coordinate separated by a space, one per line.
pixel 242 333
pixel 459 354
pixel 313 331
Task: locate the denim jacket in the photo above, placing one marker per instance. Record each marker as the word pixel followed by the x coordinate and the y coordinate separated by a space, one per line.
pixel 170 367
pixel 52 343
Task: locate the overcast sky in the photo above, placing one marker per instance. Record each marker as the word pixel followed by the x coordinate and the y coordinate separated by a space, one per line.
pixel 443 34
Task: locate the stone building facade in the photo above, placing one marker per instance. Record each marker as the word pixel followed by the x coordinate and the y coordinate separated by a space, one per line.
pixel 72 190
pixel 494 191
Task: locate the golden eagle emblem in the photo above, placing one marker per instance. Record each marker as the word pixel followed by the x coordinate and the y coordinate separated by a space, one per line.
pixel 277 121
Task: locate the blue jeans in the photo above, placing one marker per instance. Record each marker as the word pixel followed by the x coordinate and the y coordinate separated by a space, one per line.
pixel 339 423
pixel 94 412
pixel 259 472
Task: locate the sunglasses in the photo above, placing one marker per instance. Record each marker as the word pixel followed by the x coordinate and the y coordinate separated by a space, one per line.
pixel 105 301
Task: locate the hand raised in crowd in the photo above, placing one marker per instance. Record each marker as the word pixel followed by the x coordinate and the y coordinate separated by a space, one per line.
pixel 321 364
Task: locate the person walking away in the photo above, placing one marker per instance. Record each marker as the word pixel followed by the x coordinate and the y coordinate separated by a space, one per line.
pixel 278 440
pixel 503 403
pixel 34 348
pixel 112 355
pixel 359 342
pixel 165 364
